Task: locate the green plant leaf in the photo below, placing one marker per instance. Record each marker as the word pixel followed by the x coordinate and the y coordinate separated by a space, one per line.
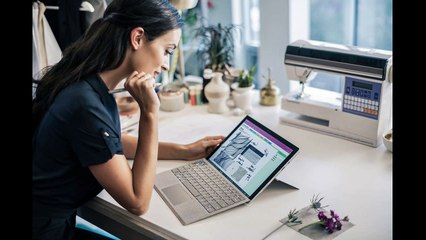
pixel 246 78
pixel 216 44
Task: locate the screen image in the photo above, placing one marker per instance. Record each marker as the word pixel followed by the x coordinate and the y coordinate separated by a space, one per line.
pixel 249 155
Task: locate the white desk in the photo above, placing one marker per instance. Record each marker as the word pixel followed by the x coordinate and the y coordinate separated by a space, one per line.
pixel 356 180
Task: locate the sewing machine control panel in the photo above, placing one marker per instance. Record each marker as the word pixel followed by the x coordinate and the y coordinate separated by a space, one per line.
pixel 361 97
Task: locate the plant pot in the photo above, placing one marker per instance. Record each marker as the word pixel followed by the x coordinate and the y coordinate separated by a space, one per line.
pixel 171 101
pixel 242 96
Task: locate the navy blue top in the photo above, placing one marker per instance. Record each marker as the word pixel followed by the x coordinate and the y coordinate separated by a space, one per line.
pixel 81 128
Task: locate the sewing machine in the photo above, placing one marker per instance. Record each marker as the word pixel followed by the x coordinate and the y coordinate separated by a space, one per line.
pixel 361 112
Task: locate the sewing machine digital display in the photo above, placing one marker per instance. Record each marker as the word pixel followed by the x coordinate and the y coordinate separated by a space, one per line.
pixel 361 97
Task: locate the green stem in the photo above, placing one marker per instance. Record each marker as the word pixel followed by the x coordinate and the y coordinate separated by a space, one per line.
pixel 314 223
pixel 269 234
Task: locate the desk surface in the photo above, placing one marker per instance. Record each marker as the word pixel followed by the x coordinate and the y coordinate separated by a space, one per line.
pixel 355 180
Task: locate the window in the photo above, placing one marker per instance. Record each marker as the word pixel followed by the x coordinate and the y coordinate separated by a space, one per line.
pixel 251 27
pixel 364 23
pixel 252 23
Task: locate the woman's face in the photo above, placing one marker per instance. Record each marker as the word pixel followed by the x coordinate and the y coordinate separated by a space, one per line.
pixel 154 56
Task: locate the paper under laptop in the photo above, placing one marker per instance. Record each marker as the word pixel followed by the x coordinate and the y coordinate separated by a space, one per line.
pixel 236 172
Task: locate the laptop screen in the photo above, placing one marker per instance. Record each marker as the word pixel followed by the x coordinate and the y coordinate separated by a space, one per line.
pixel 251 155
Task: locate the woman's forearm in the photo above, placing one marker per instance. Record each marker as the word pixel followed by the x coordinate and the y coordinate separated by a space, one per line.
pixel 145 160
pixel 170 151
pixel 166 150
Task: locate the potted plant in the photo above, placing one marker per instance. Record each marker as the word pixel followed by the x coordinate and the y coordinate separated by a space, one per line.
pixel 246 77
pixel 216 48
pixel 243 89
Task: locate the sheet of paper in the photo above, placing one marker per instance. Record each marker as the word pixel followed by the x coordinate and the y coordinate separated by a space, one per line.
pixel 316 232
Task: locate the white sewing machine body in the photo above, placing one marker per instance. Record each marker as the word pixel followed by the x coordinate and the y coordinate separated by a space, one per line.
pixel 362 112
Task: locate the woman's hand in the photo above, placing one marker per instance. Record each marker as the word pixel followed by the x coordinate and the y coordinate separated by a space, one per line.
pixel 141 87
pixel 201 148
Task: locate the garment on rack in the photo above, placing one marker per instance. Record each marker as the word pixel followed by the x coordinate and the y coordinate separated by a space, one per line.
pixel 66 22
pixel 90 17
pixel 46 50
pixel 70 27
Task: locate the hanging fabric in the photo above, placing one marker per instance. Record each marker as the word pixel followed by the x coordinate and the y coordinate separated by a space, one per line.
pixel 70 26
pixel 46 50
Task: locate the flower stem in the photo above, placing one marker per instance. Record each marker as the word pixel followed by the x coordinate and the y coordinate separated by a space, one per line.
pixel 314 223
pixel 274 230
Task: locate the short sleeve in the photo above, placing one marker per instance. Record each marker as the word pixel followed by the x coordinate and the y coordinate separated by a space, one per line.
pixel 95 136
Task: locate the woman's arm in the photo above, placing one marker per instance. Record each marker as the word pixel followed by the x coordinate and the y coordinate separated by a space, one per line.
pixel 165 150
pixel 132 187
pixel 196 150
pixel 129 144
pixel 168 150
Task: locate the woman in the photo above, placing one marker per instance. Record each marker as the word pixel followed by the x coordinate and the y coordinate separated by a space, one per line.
pixel 78 149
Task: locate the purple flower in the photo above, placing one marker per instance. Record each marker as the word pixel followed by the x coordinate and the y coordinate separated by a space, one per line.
pixel 334 215
pixel 338 225
pixel 321 216
pixel 331 223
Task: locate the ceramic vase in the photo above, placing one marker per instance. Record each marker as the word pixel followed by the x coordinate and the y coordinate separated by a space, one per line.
pixel 242 96
pixel 171 101
pixel 217 92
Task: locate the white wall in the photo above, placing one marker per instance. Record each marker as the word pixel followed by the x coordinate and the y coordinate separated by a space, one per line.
pixel 299 20
pixel 274 38
pixel 221 12
pixel 281 22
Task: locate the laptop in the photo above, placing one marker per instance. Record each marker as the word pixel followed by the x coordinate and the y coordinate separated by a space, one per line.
pixel 235 173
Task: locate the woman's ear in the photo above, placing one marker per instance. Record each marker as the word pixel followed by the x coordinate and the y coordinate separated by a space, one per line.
pixel 136 38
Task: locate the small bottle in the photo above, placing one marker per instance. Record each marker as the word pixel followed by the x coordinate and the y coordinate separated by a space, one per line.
pixel 207 77
pixel 269 95
pixel 192 97
pixel 198 90
pixel 185 94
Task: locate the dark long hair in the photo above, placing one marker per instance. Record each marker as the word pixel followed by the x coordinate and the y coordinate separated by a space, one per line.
pixel 103 46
